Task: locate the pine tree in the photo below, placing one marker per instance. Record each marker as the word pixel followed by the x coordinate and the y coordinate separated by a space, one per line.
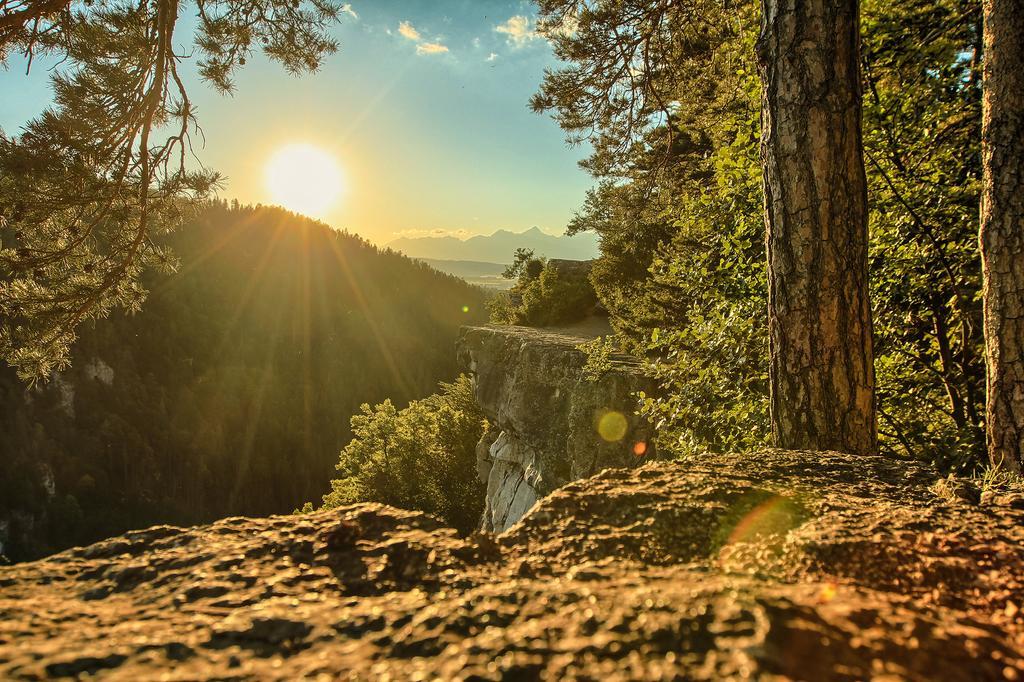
pixel 1002 229
pixel 820 336
pixel 90 183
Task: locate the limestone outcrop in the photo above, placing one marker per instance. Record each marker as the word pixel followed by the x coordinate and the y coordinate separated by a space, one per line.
pixel 551 424
pixel 774 565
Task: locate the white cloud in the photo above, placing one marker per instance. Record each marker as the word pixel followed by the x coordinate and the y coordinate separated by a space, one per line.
pixel 423 46
pixel 408 31
pixel 476 42
pixel 491 57
pixel 519 30
pixel 431 48
pixel 415 234
pixel 347 9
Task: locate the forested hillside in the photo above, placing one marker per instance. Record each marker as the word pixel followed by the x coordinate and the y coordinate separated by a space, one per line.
pixel 231 392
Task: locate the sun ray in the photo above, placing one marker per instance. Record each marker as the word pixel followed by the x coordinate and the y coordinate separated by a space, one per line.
pixel 219 243
pixel 250 287
pixel 389 359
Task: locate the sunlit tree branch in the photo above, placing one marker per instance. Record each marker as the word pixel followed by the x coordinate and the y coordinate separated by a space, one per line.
pixel 87 186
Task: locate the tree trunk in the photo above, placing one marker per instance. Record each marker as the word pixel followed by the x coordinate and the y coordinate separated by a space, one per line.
pixel 820 335
pixel 1002 229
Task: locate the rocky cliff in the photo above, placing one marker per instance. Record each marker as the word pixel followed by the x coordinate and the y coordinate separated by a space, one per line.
pixel 551 424
pixel 770 565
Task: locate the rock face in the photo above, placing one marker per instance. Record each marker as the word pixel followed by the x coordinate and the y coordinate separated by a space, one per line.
pixel 550 424
pixel 773 565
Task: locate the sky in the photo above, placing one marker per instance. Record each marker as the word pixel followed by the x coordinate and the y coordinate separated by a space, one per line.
pixel 424 108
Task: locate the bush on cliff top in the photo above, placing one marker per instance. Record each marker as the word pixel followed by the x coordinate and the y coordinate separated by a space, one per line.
pixel 544 295
pixel 421 458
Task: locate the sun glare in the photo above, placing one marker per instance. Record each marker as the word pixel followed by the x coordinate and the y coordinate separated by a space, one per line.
pixel 305 179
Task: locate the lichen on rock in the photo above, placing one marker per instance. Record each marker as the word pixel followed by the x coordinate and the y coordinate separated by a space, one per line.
pixel 768 565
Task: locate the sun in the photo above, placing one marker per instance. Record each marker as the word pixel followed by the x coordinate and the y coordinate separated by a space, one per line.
pixel 304 178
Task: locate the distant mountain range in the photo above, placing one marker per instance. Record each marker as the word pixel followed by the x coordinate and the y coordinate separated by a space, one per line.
pixel 498 247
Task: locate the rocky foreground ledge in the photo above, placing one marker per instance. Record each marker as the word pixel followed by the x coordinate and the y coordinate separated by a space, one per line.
pixel 772 565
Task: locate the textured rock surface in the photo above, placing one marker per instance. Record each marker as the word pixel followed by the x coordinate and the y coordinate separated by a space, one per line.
pixel 775 565
pixel 546 414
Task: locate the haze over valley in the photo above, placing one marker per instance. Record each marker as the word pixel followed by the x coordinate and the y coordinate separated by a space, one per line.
pixel 481 259
pixel 499 246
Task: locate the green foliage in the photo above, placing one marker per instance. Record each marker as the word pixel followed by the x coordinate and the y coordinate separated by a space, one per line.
pixel 525 267
pixel 1000 480
pixel 710 357
pixel 678 208
pixel 230 391
pixel 922 122
pixel 544 295
pixel 422 457
pixel 599 354
pixel 89 187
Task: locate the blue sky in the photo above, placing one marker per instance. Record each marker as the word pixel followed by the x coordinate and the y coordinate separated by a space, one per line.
pixel 424 107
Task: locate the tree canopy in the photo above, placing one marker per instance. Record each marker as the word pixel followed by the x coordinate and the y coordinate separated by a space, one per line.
pixel 678 206
pixel 88 186
pixel 421 457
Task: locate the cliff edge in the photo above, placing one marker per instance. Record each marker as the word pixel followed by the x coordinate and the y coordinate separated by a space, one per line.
pixel 550 423
pixel 769 565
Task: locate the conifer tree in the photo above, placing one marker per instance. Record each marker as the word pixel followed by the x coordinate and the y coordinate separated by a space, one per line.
pixel 821 368
pixel 87 186
pixel 1002 229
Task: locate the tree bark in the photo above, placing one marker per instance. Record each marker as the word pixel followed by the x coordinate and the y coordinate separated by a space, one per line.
pixel 820 335
pixel 1002 229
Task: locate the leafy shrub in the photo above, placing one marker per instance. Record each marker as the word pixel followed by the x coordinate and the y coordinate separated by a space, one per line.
pixel 544 295
pixel 709 358
pixel 422 457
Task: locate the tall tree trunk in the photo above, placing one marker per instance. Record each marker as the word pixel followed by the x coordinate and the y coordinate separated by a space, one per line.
pixel 1002 229
pixel 820 335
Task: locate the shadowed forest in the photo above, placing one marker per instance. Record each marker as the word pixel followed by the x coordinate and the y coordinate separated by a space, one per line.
pixel 223 395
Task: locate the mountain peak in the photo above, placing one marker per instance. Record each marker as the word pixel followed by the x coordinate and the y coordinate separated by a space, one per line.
pixel 500 246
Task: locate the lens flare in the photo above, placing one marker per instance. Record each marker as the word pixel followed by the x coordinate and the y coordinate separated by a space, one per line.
pixel 640 448
pixel 612 426
pixel 828 592
pixel 773 517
